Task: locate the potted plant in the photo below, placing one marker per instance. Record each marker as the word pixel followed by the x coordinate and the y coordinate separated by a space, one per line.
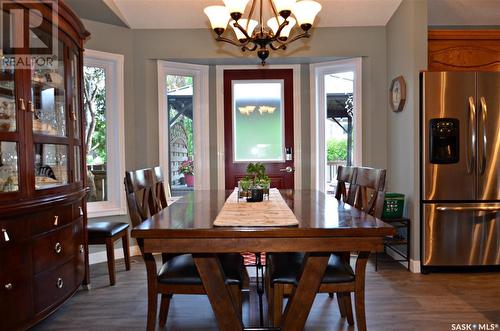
pixel 255 184
pixel 187 169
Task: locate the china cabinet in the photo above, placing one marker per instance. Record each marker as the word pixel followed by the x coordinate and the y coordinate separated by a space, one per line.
pixel 43 248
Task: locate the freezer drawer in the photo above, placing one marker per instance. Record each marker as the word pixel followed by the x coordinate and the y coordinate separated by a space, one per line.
pixel 461 234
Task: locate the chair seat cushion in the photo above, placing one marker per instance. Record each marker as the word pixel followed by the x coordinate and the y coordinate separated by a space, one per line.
pixel 285 268
pixel 105 229
pixel 182 270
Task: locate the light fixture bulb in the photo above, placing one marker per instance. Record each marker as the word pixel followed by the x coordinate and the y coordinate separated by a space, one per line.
pixel 273 24
pixel 305 12
pixel 236 6
pixel 218 16
pixel 243 22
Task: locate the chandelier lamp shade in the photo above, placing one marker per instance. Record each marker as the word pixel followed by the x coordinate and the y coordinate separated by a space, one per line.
pixel 257 35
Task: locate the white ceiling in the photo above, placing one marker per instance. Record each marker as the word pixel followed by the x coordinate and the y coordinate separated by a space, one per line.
pixel 178 14
pixel 464 12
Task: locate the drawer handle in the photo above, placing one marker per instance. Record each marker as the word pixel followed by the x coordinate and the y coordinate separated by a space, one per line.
pixel 8 286
pixel 56 220
pixel 81 211
pixel 22 106
pixel 59 283
pixel 58 248
pixel 5 235
pixel 31 107
pixel 82 249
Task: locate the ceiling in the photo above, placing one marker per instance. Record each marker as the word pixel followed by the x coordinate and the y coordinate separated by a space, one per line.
pixel 182 14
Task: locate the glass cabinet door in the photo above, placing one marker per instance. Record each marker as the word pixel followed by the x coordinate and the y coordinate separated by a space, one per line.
pixel 51 165
pixel 75 99
pixel 49 98
pixel 8 119
pixel 9 179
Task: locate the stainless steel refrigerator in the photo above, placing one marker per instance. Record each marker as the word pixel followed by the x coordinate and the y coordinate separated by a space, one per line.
pixel 460 169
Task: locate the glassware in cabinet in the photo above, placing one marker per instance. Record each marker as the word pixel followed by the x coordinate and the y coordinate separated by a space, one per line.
pixel 51 166
pixel 48 98
pixel 7 100
pixel 9 177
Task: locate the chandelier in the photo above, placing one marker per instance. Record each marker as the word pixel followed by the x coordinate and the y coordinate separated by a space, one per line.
pixel 253 35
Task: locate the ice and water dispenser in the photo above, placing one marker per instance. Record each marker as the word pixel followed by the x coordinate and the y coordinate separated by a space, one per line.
pixel 444 140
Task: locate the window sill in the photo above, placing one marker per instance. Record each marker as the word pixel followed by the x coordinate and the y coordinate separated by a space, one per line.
pixel 103 212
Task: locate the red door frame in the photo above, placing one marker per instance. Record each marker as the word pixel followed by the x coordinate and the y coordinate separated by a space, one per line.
pixel 235 171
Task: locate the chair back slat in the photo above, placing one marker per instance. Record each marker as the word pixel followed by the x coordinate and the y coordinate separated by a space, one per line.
pixel 345 175
pixel 368 190
pixel 140 191
pixel 162 189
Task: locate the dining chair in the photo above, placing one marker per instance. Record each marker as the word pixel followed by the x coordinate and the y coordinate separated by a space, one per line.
pixel 366 193
pixel 345 175
pixel 178 273
pixel 369 185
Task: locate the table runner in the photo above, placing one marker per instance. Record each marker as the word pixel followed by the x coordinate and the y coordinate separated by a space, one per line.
pixel 272 212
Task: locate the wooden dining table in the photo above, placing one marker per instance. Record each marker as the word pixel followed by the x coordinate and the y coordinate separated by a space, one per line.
pixel 325 226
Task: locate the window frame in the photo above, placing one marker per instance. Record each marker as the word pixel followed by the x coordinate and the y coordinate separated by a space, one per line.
pixel 317 72
pixel 201 134
pixel 113 64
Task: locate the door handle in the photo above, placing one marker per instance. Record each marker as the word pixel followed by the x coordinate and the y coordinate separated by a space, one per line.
pixel 482 137
pixel 466 208
pixel 287 169
pixel 471 136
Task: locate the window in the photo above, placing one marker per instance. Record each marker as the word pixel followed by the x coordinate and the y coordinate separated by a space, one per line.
pixel 104 132
pixel 258 104
pixel 336 120
pixel 183 125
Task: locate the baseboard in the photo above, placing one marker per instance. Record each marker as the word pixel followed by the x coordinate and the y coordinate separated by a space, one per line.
pixel 99 257
pixel 414 264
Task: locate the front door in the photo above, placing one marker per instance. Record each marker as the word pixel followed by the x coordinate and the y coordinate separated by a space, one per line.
pixel 258 124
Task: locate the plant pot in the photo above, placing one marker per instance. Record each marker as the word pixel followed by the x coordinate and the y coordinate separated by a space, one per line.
pixel 189 179
pixel 257 195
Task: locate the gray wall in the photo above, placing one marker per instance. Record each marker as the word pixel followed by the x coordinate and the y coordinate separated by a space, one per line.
pixel 142 48
pixel 406 56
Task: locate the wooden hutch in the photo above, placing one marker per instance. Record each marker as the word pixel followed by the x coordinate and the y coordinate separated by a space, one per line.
pixel 43 244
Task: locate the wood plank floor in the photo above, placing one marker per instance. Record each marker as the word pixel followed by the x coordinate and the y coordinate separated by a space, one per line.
pixel 395 300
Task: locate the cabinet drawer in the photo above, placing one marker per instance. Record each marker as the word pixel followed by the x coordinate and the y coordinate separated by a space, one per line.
pixel 53 286
pixel 15 298
pixel 56 247
pixel 13 231
pixel 51 219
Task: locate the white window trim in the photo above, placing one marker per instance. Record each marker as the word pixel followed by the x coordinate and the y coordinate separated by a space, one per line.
pixel 201 132
pixel 318 115
pixel 297 128
pixel 113 63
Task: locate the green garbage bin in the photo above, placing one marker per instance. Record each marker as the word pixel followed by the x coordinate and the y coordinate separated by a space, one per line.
pixel 393 205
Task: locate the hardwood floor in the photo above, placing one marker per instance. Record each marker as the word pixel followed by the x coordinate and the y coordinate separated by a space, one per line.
pixel 395 300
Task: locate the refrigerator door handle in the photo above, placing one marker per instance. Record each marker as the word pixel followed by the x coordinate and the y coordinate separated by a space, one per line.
pixel 482 136
pixel 471 136
pixel 467 208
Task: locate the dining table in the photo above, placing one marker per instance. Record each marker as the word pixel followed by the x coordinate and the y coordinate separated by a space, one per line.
pixel 325 225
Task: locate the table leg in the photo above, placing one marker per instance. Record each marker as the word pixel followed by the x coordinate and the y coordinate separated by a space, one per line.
pixel 152 290
pixel 224 307
pixel 301 300
pixel 359 293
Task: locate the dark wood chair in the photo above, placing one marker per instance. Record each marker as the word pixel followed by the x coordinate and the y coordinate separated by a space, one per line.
pixel 178 273
pixel 369 187
pixel 345 175
pixel 366 192
pixel 107 233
